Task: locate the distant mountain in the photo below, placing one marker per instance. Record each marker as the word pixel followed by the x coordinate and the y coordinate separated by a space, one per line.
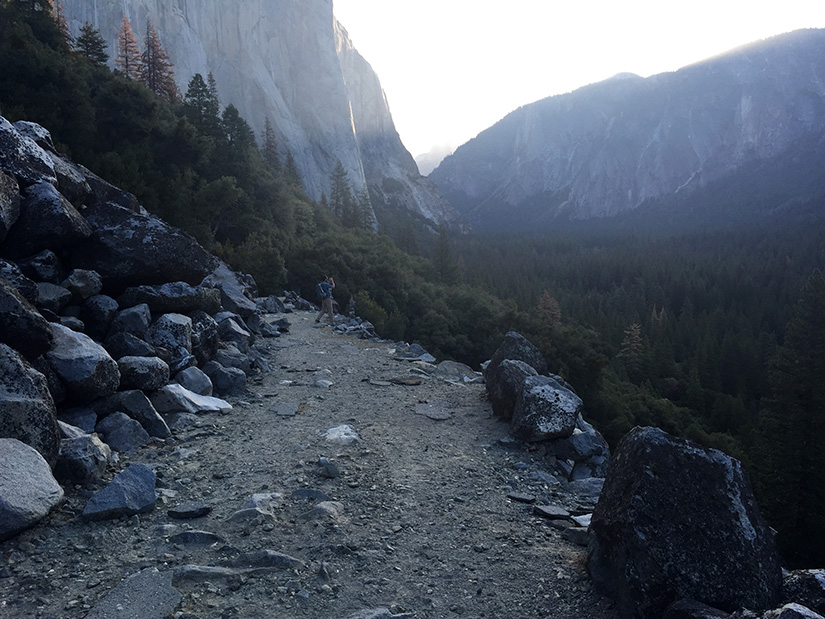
pixel 429 161
pixel 732 121
pixel 287 60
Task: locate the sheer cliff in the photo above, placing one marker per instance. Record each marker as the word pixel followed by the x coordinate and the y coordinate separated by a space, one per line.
pixel 279 59
pixel 610 147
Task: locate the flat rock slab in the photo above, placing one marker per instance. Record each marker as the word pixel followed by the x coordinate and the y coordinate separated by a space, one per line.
pixel 551 511
pixel 186 511
pixel 433 411
pixel 286 409
pixel 519 497
pixel 175 398
pixel 148 594
pixel 407 381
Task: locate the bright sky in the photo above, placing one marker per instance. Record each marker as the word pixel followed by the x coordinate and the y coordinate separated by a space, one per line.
pixel 452 68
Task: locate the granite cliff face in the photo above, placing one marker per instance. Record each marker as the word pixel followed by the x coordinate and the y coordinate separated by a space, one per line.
pixel 395 183
pixel 609 147
pixel 279 59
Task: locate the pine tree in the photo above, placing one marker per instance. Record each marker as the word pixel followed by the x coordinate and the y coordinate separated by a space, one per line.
pixel 156 71
pixel 340 195
pixel 791 431
pixel 202 107
pixel 364 209
pixel 632 352
pixel 291 168
pixel 92 45
pixel 549 308
pixel 128 57
pixel 269 149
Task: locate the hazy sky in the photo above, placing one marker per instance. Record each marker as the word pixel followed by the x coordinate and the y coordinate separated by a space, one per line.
pixel 452 68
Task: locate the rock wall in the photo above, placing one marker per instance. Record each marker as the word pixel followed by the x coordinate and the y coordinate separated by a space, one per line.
pixel 278 59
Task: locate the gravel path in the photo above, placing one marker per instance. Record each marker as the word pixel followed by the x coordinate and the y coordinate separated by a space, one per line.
pixel 423 515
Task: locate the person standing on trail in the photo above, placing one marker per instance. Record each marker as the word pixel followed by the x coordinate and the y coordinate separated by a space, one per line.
pixel 324 290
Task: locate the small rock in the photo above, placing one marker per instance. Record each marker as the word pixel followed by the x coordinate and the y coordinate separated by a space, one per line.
pixel 149 591
pixel 341 435
pixel 328 469
pixel 196 538
pixel 518 497
pixel 186 511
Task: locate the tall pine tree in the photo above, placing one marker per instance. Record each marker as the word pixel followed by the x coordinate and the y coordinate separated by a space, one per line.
pixel 790 461
pixel 128 58
pixel 202 107
pixel 269 149
pixel 156 71
pixel 91 44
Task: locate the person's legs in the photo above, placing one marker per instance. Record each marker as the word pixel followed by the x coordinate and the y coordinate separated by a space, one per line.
pixel 323 310
pixel 328 308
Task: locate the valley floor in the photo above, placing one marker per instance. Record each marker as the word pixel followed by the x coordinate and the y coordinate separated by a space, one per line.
pixel 417 521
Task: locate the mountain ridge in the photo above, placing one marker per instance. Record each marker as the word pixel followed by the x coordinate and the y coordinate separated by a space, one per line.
pixel 609 147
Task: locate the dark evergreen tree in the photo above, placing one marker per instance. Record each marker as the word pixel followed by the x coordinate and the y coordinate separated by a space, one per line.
pixel 128 58
pixel 269 149
pixel 202 107
pixel 791 461
pixel 340 194
pixel 156 68
pixel 363 206
pixel 92 45
pixel 291 168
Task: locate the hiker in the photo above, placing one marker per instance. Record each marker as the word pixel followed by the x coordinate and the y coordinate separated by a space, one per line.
pixel 324 290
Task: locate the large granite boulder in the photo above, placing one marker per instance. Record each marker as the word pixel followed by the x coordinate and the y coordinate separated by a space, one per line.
pixel 27 489
pixel 14 276
pixel 97 313
pixel 71 182
pixel 133 320
pixel 124 344
pixel 37 134
pixel 52 297
pixel 27 411
pixel 143 373
pixel 205 339
pixel 516 348
pixel 84 366
pixel 136 405
pixel 47 221
pixel 22 158
pixel 82 458
pixel 44 266
pixel 175 398
pixel 9 204
pixel 130 249
pixel 504 386
pixel 545 409
pixel 676 521
pixel 21 326
pixel 174 333
pixel 806 587
pixel 235 290
pixel 103 192
pixel 122 433
pixel 174 297
pixel 82 284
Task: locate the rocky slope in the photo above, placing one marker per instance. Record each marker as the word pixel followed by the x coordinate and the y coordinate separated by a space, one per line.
pixel 609 147
pixel 280 59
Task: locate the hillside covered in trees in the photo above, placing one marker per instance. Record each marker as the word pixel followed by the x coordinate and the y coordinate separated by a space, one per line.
pixel 701 333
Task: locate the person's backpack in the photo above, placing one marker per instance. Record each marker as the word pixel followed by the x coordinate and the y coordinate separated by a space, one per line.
pixel 320 291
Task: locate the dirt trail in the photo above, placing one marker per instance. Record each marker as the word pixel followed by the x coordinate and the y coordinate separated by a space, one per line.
pixel 417 518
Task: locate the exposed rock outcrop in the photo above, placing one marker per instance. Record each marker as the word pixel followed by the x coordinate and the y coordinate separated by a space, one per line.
pixel 676 521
